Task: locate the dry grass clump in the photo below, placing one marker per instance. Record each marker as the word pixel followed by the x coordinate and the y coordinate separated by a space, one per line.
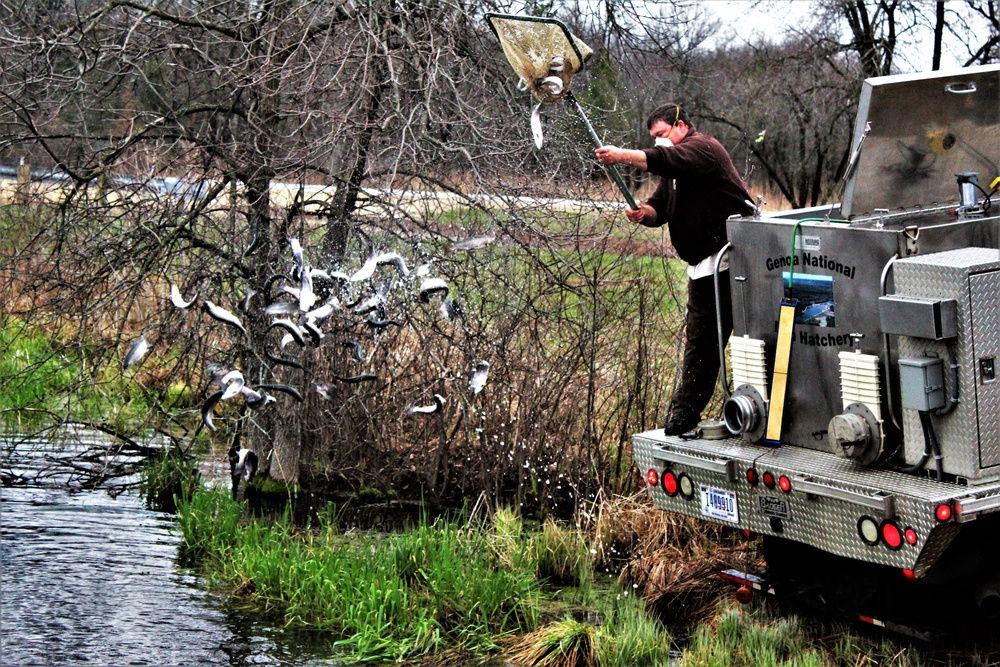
pixel 566 643
pixel 670 561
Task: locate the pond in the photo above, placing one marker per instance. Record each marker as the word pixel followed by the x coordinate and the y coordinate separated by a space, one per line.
pixel 88 578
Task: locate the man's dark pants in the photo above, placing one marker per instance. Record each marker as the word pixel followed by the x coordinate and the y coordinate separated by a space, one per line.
pixel 701 349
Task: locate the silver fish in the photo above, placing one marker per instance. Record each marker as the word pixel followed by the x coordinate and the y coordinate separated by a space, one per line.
pixel 307 298
pixel 370 305
pixel 329 307
pixel 284 388
pixel 313 331
pixel 326 390
pixel 557 64
pixel 292 328
pixel 368 270
pixel 554 84
pixel 246 464
pixel 451 310
pixel 139 348
pixel 478 380
pixel 432 286
pixel 376 323
pixel 208 407
pixel 473 242
pixel 426 409
pixel 354 379
pixel 536 125
pixel 223 315
pixel 245 303
pixel 178 300
pixel 282 308
pixel 357 351
pixel 232 384
pixel 296 251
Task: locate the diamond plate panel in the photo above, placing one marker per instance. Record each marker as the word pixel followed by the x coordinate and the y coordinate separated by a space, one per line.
pixel 946 275
pixel 985 298
pixel 827 519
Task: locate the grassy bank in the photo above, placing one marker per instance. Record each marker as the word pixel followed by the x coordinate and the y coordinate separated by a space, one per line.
pixel 466 592
pixel 442 587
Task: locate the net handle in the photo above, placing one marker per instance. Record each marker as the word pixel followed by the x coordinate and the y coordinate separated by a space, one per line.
pixel 612 169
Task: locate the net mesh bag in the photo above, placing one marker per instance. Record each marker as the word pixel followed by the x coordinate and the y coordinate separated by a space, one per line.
pixel 542 52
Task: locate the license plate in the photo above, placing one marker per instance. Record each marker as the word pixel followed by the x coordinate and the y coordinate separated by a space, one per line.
pixel 719 504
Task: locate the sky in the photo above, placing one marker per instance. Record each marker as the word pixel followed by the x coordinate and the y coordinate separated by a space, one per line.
pixel 747 17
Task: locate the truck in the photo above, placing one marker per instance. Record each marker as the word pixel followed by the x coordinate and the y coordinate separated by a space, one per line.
pixel 860 432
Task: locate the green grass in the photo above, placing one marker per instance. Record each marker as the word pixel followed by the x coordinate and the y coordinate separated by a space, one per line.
pixel 435 588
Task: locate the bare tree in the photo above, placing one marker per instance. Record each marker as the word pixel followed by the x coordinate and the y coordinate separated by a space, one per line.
pixel 187 143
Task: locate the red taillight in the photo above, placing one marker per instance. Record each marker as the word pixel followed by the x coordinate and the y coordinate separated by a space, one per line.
pixel 752 477
pixel 769 479
pixel 943 512
pixel 652 478
pixel 891 535
pixel 669 483
pixel 910 536
pixel 785 484
pixel 909 575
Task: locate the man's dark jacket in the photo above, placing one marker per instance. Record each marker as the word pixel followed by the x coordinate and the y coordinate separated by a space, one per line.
pixel 698 191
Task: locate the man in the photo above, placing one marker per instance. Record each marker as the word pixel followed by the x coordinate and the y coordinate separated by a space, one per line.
pixel 699 189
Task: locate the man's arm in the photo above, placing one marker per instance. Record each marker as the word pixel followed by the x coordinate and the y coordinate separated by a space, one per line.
pixel 615 155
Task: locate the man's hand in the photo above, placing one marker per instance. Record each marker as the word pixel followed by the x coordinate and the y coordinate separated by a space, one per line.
pixel 641 214
pixel 609 155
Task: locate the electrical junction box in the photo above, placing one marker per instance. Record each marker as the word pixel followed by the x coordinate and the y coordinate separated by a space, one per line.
pixel 921 384
pixel 934 319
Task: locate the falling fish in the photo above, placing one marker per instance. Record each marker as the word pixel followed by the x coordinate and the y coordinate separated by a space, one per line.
pixel 281 360
pixel 232 384
pixel 432 286
pixel 355 379
pixel 326 390
pixel 296 251
pixel 473 242
pixel 536 125
pixel 139 348
pixel 208 407
pixel 478 380
pixel 554 84
pixel 292 328
pixel 178 300
pixel 223 315
pixel 426 409
pixel 357 351
pixel 242 463
pixel 368 270
pixel 451 310
pixel 283 388
pixel 376 323
pixel 245 303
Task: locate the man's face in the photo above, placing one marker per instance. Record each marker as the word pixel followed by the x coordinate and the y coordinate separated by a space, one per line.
pixel 661 129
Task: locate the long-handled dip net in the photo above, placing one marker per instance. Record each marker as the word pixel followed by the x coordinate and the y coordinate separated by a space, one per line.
pixel 546 55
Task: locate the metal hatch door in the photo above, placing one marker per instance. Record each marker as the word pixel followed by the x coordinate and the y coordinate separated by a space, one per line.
pixel 915 132
pixel 984 295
